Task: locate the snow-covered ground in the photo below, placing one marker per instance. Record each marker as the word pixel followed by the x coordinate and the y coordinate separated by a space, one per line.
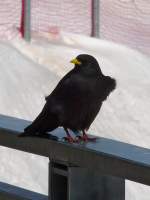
pixel 30 71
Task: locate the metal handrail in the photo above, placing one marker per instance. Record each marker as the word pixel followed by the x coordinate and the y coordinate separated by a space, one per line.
pixel 109 157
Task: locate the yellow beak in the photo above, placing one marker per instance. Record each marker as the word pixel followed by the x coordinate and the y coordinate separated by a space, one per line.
pixel 75 61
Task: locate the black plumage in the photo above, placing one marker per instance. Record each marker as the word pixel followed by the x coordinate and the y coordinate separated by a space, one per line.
pixel 76 100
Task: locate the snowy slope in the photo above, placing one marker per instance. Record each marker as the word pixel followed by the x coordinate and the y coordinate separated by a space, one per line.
pixel 19 77
pixel 33 70
pixel 23 85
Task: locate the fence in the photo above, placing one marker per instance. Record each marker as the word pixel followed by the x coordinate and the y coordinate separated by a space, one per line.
pixel 88 171
pixel 125 22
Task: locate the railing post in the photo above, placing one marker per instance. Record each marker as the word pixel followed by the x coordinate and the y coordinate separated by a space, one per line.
pixel 26 20
pixel 67 182
pixel 95 18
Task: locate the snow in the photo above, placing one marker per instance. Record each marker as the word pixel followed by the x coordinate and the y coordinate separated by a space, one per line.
pixel 30 71
pixel 19 77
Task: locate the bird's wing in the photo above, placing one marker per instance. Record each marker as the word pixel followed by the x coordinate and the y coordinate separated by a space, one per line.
pixel 54 111
pixel 45 121
pixel 70 99
pixel 71 87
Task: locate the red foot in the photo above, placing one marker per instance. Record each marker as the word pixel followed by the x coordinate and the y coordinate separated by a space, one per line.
pixel 86 138
pixel 71 140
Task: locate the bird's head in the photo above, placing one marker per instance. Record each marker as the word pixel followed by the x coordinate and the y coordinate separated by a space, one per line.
pixel 86 62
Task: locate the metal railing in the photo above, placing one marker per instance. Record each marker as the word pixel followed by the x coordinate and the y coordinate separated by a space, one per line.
pixel 26 20
pixel 78 171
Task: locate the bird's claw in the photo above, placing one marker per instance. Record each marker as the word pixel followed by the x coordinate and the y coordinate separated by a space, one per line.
pixel 71 140
pixel 86 138
pixel 79 138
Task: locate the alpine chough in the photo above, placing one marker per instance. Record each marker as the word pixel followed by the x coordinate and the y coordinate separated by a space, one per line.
pixel 76 100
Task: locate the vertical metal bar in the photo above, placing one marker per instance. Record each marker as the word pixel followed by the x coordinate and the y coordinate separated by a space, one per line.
pixel 58 181
pixel 22 19
pixel 88 184
pixel 49 179
pixel 27 20
pixel 70 183
pixel 95 18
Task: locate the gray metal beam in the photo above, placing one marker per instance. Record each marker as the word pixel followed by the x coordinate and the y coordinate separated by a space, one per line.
pixel 8 192
pixel 109 157
pixel 67 182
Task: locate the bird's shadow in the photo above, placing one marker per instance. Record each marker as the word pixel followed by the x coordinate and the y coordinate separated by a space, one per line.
pixel 46 136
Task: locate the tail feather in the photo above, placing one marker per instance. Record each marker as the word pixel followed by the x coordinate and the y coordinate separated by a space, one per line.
pixel 25 134
pixel 34 127
pixel 30 130
pixel 43 123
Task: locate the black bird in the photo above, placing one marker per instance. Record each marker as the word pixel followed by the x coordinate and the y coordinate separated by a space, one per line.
pixel 76 100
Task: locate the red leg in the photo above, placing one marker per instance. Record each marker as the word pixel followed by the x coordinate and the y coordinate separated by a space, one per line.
pixel 86 138
pixel 69 138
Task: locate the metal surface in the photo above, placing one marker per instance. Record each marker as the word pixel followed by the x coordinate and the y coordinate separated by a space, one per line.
pixel 88 184
pixel 8 192
pixel 58 182
pixel 27 20
pixel 95 18
pixel 70 183
pixel 109 157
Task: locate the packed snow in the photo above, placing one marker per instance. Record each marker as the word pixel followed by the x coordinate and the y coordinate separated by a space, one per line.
pixel 31 71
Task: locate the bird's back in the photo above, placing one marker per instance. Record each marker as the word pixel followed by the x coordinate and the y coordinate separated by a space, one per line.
pixel 80 98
